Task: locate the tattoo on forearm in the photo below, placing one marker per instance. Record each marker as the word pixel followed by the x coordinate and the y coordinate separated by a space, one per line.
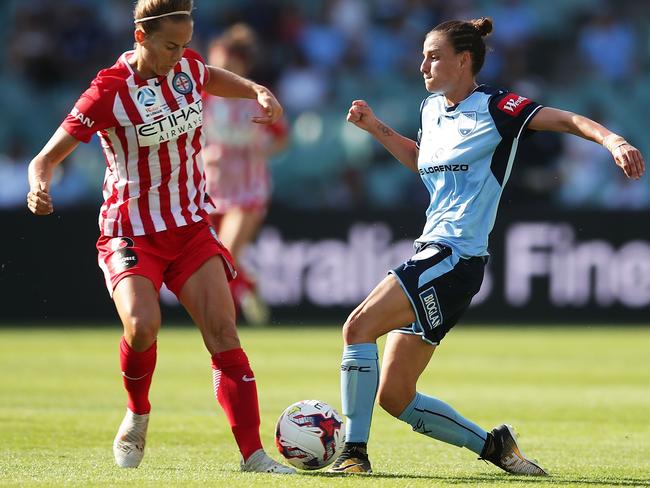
pixel 385 130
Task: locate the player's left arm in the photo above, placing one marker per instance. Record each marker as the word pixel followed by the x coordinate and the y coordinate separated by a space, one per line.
pixel 223 83
pixel 627 157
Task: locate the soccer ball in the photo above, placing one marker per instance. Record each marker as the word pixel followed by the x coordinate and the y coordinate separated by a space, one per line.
pixel 309 434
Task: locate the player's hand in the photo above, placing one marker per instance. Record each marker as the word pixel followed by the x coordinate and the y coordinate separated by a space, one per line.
pixel 39 200
pixel 630 160
pixel 270 106
pixel 361 115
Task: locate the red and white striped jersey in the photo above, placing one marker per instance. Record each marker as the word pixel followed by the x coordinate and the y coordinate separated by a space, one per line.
pixel 150 131
pixel 236 153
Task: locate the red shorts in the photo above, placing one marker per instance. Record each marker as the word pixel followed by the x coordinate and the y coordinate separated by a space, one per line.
pixel 169 257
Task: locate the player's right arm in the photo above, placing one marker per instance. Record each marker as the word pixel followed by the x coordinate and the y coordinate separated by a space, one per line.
pixel 60 145
pixel 92 112
pixel 404 149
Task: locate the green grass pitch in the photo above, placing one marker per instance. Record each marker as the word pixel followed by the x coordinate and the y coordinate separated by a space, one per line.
pixel 579 397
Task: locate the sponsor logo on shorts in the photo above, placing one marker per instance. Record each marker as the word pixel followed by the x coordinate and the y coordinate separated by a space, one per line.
pixel 431 306
pixel 123 259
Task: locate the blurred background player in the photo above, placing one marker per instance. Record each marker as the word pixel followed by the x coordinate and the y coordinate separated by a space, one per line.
pixel 464 153
pixel 236 156
pixel 147 110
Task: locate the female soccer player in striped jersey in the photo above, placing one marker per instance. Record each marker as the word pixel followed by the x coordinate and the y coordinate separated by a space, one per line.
pixel 147 110
pixel 464 154
pixel 236 172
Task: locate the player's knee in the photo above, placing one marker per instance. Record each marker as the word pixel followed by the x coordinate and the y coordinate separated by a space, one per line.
pixel 394 398
pixel 355 329
pixel 141 331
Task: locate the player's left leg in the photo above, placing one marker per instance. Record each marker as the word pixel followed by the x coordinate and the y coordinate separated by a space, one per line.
pixel 405 358
pixel 206 297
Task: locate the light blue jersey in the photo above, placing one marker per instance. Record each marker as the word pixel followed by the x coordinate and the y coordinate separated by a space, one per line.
pixel 466 156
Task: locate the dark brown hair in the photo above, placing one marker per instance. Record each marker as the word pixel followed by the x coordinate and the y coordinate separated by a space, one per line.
pixel 239 41
pixel 467 36
pixel 151 8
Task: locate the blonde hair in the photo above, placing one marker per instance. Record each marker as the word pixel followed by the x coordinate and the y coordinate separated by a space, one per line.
pixel 157 10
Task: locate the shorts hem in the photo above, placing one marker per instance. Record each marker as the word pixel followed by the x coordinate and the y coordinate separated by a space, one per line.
pixel 121 276
pixel 231 273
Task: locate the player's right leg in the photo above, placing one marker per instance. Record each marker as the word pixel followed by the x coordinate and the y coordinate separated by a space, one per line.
pixel 136 300
pixel 405 358
pixel 384 309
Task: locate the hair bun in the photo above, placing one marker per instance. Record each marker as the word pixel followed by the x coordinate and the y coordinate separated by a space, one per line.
pixel 482 25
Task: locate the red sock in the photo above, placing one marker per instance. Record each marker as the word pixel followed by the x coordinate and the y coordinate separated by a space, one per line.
pixel 137 371
pixel 236 392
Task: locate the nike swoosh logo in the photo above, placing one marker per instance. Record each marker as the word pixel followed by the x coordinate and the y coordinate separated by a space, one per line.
pixel 134 379
pixel 347 466
pixel 247 379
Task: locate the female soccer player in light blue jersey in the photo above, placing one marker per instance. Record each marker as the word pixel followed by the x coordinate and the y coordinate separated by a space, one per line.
pixel 464 153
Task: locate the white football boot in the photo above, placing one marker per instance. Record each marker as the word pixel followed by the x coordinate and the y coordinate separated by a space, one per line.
pixel 260 462
pixel 128 446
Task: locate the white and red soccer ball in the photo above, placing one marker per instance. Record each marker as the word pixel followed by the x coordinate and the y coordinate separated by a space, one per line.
pixel 310 434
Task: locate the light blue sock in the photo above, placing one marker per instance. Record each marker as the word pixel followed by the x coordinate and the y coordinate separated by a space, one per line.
pixel 359 383
pixel 434 418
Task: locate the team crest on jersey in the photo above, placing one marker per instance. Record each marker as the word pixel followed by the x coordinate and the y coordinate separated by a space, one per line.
pixel 466 123
pixel 182 83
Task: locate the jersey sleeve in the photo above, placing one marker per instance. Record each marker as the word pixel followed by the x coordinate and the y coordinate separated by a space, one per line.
pixel 93 112
pixel 512 113
pixel 203 68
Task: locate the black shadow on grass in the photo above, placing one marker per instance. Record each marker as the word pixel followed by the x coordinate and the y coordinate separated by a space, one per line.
pixel 500 478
